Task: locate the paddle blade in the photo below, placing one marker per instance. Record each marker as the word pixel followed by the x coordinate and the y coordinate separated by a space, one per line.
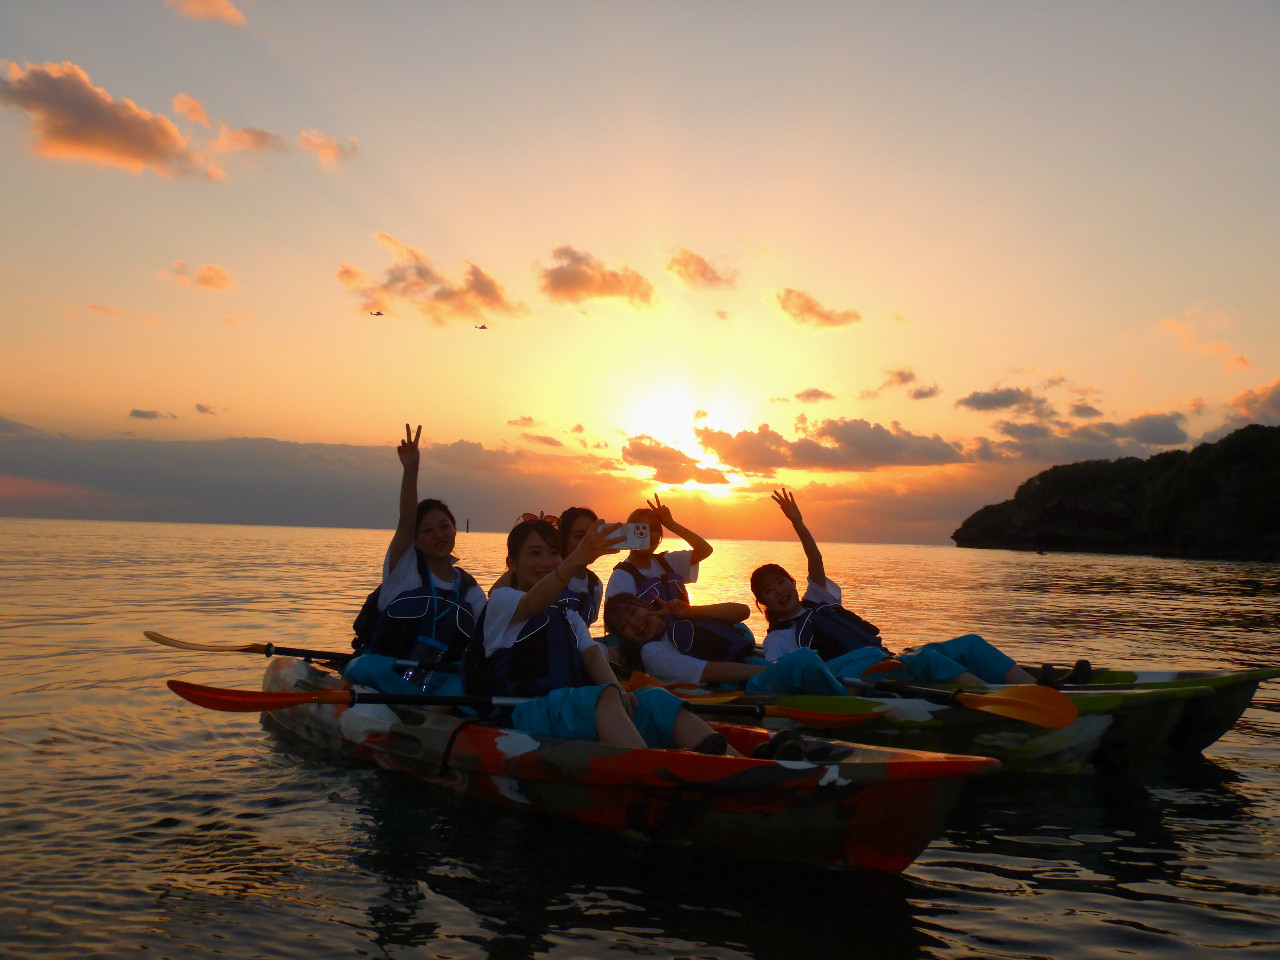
pixel 883 666
pixel 1043 706
pixel 161 639
pixel 251 701
pixel 822 721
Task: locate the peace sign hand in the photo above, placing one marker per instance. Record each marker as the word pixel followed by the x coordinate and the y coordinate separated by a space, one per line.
pixel 786 501
pixel 662 511
pixel 408 449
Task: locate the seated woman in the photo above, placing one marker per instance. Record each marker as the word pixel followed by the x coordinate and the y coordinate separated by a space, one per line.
pixel 659 576
pixel 533 648
pixel 699 645
pixel 850 645
pixel 426 610
pixel 585 592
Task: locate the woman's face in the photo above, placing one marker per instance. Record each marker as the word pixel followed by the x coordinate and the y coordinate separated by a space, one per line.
pixel 640 625
pixel 779 596
pixel 536 559
pixel 436 535
pixel 578 531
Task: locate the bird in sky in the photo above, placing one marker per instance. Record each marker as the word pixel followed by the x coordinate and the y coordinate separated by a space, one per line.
pixel 376 313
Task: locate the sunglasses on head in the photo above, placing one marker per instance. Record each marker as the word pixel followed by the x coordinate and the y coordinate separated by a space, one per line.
pixel 531 517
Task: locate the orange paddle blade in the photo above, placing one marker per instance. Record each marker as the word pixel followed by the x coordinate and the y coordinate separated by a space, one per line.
pixel 685 691
pixel 251 701
pixel 1032 703
pixel 822 721
pixel 882 667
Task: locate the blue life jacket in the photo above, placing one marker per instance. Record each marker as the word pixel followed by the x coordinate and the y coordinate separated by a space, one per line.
pixel 545 657
pixel 425 624
pixel 711 640
pixel 665 586
pixel 832 631
pixel 583 603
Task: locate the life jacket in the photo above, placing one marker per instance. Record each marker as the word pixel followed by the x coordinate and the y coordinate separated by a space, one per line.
pixel 582 602
pixel 710 640
pixel 665 586
pixel 545 657
pixel 424 624
pixel 832 631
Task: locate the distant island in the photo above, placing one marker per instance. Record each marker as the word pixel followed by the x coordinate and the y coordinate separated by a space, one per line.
pixel 1220 500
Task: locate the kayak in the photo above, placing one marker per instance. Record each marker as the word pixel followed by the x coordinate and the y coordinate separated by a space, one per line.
pixel 1206 719
pixel 1117 730
pixel 861 808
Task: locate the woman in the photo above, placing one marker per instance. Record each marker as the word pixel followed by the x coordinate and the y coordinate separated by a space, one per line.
pixel 699 645
pixel 584 593
pixel 659 576
pixel 850 645
pixel 425 612
pixel 533 648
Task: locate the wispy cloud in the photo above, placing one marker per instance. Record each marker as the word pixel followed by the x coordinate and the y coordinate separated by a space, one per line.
pixel 669 464
pixel 924 393
pixel 205 408
pixel 803 308
pixel 152 415
pixel 694 271
pixel 210 276
pixel 329 152
pixel 74 120
pixel 1188 332
pixel 222 10
pixel 577 428
pixel 123 314
pixel 1019 399
pixel 900 378
pixel 191 108
pixel 541 440
pixel 814 395
pixel 412 280
pixel 248 140
pixel 579 276
pixel 522 422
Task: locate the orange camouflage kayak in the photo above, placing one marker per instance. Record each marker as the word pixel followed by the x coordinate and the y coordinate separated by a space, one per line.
pixel 859 807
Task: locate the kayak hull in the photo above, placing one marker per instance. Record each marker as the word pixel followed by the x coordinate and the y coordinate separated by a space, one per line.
pixel 1117 731
pixel 871 809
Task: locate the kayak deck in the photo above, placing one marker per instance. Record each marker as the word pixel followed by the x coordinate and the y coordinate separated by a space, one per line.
pixel 869 808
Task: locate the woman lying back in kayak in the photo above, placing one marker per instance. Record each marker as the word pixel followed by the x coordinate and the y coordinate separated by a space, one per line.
pixel 534 648
pixel 850 645
pixel 677 643
pixel 426 609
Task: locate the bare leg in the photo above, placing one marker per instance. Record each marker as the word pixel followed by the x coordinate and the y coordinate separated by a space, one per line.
pixel 613 726
pixel 1017 675
pixel 966 677
pixel 690 730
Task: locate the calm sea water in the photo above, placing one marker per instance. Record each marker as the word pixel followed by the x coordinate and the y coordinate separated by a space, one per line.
pixel 133 824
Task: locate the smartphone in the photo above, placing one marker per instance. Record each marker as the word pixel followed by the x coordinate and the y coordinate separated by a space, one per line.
pixel 637 535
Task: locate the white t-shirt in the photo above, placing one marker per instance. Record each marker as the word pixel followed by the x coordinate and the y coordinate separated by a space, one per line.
pixel 782 640
pixel 666 664
pixel 405 576
pixel 501 630
pixel 622 582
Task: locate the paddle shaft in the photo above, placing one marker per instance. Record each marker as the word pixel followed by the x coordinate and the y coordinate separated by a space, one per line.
pixel 271 650
pixel 903 689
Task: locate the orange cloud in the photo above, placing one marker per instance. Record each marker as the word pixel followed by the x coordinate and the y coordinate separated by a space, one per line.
pixel 694 271
pixel 1188 337
pixel 669 464
pixel 117 312
pixel 813 395
pixel 541 439
pixel 329 152
pixel 222 10
pixel 579 276
pixel 74 120
pixel 208 277
pixel 804 308
pixel 413 280
pixel 191 108
pixel 1260 404
pixel 248 140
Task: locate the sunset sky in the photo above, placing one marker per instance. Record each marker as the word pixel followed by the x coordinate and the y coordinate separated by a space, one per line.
pixel 934 247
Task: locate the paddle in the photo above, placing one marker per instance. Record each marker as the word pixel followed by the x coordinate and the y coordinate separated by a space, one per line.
pixel 258 701
pixel 1042 706
pixel 271 650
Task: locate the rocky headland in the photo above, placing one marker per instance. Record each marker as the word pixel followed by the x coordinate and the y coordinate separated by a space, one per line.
pixel 1219 500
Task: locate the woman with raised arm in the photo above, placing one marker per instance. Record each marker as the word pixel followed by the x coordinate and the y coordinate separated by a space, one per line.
pixel 659 576
pixel 532 647
pixel 850 645
pixel 425 612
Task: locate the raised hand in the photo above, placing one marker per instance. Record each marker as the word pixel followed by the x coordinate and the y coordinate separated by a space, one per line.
pixel 786 501
pixel 601 539
pixel 675 608
pixel 408 449
pixel 662 511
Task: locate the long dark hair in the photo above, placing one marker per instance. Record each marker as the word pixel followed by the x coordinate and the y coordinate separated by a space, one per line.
pixel 520 533
pixel 567 519
pixel 615 608
pixel 426 506
pixel 766 572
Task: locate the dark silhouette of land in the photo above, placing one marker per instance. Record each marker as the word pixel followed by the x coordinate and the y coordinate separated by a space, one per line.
pixel 1219 500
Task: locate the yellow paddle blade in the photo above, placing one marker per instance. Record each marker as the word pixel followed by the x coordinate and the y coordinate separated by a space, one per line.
pixel 161 639
pixel 1031 703
pixel 884 666
pixel 685 691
